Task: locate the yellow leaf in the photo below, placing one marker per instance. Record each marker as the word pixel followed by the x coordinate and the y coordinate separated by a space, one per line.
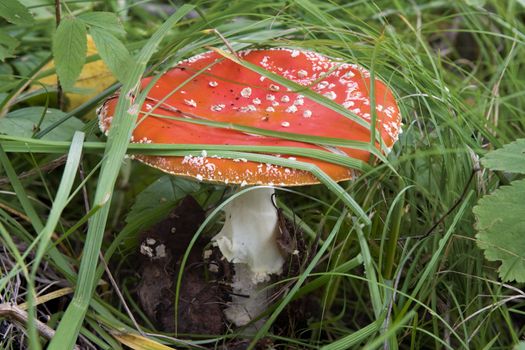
pixel 47 297
pixel 138 342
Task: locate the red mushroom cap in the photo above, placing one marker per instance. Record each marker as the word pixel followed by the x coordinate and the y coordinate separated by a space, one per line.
pixel 228 92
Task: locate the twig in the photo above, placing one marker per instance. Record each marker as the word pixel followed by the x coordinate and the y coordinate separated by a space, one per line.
pixel 15 314
pixel 224 40
pixel 60 92
pixel 120 296
pixel 44 168
pixel 15 212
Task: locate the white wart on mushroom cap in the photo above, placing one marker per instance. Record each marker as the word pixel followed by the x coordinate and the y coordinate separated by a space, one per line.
pixel 228 92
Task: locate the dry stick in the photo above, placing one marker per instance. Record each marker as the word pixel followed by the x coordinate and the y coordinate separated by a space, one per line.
pixel 15 314
pixel 15 212
pixel 224 40
pixel 120 296
pixel 52 165
pixel 60 93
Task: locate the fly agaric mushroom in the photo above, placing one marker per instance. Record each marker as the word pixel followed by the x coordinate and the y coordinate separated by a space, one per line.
pixel 209 87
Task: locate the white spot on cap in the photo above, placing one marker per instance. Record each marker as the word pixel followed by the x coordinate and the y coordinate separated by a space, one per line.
pixel 199 177
pixel 274 87
pixel 330 94
pixel 213 83
pixel 299 102
pixel 248 108
pixel 322 85
pixel 270 109
pixel 190 103
pixel 256 101
pixel 302 73
pixel 285 124
pixel 270 97
pixel 246 92
pixel 307 113
pixel 285 98
pixel 295 53
pixel 217 108
pixel 291 109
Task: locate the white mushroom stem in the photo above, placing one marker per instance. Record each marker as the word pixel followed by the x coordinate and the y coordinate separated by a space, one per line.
pixel 249 240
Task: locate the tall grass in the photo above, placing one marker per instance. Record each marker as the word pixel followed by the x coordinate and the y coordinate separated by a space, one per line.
pixel 396 265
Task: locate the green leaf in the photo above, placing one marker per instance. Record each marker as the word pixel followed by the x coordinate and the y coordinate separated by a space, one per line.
pixel 13 11
pixel 501 225
pixel 521 344
pixel 113 53
pixel 511 158
pixel 107 21
pixel 8 45
pixel 69 50
pixel 167 189
pixel 23 122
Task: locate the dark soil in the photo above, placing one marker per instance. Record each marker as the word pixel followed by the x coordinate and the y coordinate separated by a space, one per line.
pixel 162 249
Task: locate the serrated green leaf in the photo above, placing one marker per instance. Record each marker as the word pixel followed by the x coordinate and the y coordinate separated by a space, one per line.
pixel 113 53
pixel 69 50
pixel 8 45
pixel 14 12
pixel 23 122
pixel 167 189
pixel 511 158
pixel 106 21
pixel 501 225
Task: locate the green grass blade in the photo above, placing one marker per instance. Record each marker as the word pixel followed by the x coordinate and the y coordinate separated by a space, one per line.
pixel 355 338
pixel 375 294
pixel 44 237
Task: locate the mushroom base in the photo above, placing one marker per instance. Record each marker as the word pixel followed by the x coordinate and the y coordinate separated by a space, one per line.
pixel 249 240
pixel 249 300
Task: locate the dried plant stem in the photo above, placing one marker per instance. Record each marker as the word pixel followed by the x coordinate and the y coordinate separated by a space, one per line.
pixel 60 92
pixel 15 314
pixel 52 165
